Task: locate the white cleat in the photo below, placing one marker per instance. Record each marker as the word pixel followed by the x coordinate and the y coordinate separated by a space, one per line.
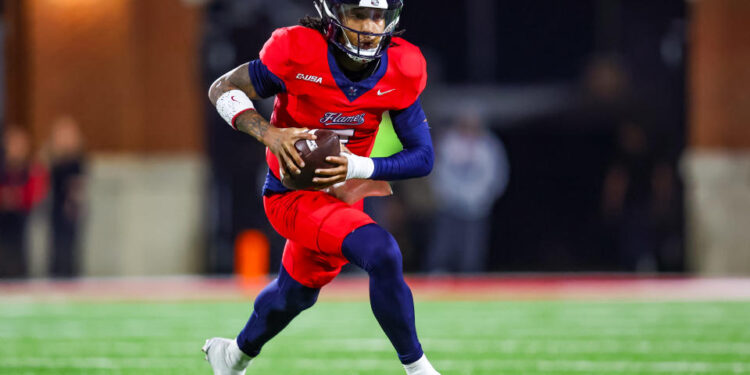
pixel 225 356
pixel 420 367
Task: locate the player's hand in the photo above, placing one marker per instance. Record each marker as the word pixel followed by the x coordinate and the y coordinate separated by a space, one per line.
pixel 281 142
pixel 331 176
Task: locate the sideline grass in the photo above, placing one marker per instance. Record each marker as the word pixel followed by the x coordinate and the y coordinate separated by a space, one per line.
pixel 343 338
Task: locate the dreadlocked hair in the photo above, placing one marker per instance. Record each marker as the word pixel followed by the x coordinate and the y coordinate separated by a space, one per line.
pixel 316 23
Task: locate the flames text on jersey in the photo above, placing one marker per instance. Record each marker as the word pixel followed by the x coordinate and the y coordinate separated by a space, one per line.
pixel 337 118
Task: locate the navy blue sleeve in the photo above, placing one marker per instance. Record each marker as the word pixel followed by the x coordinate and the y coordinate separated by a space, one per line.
pixel 417 157
pixel 266 83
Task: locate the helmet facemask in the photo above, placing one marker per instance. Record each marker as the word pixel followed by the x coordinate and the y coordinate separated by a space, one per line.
pixel 377 22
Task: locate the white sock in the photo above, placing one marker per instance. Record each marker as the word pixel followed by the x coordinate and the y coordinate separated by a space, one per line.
pixel 237 358
pixel 421 367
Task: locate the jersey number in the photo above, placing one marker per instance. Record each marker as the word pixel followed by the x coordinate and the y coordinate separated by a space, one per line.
pixel 344 134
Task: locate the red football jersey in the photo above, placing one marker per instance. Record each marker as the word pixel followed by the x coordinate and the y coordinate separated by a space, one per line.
pixel 319 95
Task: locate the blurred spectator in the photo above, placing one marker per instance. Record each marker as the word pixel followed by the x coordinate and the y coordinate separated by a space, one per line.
pixel 419 201
pixel 606 93
pixel 22 185
pixel 67 169
pixel 471 172
pixel 640 201
pixel 409 216
pixel 605 79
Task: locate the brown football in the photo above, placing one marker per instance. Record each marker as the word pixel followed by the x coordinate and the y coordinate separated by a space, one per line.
pixel 314 153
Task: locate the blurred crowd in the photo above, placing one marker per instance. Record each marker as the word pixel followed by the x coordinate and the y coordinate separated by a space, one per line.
pixel 488 207
pixel 50 179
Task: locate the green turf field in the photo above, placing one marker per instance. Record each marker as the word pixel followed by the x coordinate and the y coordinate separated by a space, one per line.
pixel 337 338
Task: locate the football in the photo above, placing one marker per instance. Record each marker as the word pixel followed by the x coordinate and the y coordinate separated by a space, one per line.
pixel 314 153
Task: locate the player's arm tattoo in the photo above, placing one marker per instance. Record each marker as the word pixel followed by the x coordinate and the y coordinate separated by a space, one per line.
pixel 236 79
pixel 279 141
pixel 251 122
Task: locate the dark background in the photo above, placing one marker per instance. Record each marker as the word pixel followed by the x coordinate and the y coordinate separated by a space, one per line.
pixel 550 218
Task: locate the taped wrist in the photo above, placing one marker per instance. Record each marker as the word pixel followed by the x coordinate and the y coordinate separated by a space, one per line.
pixel 233 103
pixel 359 166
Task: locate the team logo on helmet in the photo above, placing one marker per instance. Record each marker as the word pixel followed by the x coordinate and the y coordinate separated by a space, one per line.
pixel 375 3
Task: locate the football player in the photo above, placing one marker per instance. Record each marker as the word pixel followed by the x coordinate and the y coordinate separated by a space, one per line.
pixel 341 71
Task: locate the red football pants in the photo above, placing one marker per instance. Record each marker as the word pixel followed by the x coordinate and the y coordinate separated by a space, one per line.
pixel 315 225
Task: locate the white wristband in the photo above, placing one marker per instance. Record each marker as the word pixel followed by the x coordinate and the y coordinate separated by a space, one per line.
pixel 231 104
pixel 359 166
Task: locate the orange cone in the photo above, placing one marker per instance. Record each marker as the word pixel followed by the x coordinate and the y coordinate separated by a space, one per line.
pixel 251 257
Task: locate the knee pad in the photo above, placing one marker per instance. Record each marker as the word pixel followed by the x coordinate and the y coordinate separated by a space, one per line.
pixel 387 255
pixel 373 249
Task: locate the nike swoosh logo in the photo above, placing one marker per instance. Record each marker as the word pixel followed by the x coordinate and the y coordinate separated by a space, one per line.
pixel 384 92
pixel 233 99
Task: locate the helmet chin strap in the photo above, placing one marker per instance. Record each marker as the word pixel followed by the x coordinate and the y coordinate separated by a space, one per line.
pixel 361 59
pixel 357 52
pixel 351 63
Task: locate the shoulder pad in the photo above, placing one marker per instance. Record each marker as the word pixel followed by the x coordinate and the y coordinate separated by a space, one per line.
pixel 289 46
pixel 410 64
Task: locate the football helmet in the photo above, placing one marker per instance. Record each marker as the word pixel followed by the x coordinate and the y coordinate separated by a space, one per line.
pixel 378 18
